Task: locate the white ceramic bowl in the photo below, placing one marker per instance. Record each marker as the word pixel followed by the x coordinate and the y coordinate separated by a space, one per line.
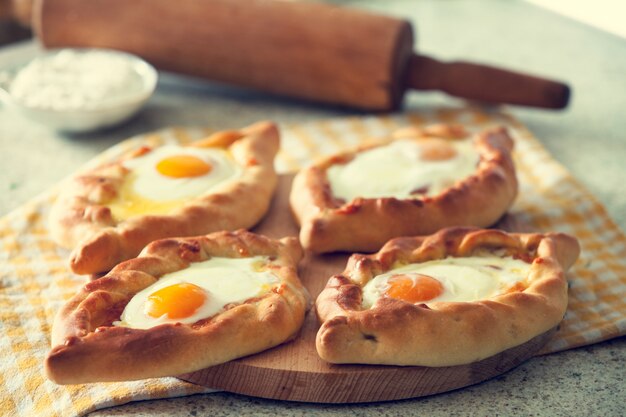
pixel 106 114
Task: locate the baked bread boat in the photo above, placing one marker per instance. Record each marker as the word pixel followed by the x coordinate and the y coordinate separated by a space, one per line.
pixel 184 304
pixel 452 298
pixel 223 182
pixel 416 183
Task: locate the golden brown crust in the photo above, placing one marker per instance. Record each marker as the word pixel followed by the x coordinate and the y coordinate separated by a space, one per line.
pixel 365 224
pixel 87 348
pixel 395 332
pixel 81 220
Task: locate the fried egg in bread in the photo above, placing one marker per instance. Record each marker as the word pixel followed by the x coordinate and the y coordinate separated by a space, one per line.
pixel 404 168
pixel 198 292
pixel 163 178
pixel 451 279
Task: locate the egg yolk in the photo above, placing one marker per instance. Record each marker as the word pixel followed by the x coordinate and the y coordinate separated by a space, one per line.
pixel 177 301
pixel 413 287
pixel 437 151
pixel 183 166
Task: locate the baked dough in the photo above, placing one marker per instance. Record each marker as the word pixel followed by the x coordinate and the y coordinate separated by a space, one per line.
pixel 88 348
pixel 364 224
pixel 395 332
pixel 81 219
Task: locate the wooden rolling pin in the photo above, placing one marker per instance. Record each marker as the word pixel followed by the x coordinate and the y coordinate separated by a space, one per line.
pixel 313 51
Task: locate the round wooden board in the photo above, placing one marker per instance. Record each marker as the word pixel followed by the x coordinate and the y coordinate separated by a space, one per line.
pixel 293 371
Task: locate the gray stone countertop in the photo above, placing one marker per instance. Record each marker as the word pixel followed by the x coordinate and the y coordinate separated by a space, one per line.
pixel 589 138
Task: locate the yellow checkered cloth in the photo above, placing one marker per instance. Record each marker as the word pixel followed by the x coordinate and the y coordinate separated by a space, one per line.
pixel 34 279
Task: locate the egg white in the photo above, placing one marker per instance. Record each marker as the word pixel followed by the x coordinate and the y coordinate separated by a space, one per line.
pixel 226 280
pixel 463 279
pixel 396 170
pixel 146 191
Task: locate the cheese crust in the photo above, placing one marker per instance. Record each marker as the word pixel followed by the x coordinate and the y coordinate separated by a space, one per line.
pixel 80 219
pixel 328 224
pixel 395 332
pixel 86 347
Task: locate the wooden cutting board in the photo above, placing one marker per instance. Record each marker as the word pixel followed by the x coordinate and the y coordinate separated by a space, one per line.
pixel 294 371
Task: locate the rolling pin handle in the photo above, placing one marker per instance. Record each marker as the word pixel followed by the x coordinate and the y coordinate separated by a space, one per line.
pixel 485 83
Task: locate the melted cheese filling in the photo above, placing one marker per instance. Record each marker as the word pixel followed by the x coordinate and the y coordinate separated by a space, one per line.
pixel 461 279
pixel 402 169
pixel 167 177
pixel 208 286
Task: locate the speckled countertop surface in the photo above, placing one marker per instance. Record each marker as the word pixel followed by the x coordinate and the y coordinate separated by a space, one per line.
pixel 589 138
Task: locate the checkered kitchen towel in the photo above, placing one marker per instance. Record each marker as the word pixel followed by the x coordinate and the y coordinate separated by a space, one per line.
pixel 34 279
